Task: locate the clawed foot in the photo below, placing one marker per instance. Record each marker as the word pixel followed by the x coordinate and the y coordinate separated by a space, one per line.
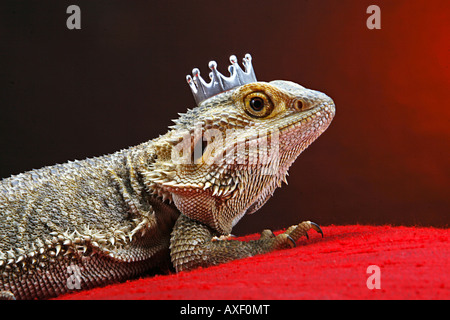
pixel 291 235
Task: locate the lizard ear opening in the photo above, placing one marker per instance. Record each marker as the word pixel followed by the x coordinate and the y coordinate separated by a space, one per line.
pixel 199 149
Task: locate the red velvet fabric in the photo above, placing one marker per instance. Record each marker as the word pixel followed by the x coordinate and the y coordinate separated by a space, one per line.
pixel 413 262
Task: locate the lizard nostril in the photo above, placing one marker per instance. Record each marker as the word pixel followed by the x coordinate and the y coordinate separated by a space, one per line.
pixel 298 105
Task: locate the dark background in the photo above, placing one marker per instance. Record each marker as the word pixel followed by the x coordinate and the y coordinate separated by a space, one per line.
pixel 71 94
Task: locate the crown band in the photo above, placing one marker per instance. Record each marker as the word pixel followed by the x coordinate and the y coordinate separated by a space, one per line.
pixel 202 90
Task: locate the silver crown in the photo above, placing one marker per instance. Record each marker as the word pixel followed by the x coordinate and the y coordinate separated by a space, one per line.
pixel 219 83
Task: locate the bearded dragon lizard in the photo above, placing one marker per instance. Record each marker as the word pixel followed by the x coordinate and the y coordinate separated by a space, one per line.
pixel 166 203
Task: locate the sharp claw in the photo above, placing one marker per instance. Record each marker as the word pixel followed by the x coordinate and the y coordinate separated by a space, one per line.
pixel 293 242
pixel 306 235
pixel 316 227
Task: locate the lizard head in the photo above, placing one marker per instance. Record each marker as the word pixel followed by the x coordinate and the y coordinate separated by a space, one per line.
pixel 226 157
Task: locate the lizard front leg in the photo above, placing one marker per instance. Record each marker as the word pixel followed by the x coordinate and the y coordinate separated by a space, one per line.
pixel 193 244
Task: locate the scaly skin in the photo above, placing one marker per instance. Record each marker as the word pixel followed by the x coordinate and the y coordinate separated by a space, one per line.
pixel 160 204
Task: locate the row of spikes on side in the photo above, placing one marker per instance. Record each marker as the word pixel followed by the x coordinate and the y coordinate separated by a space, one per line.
pixel 221 181
pixel 205 122
pixel 66 245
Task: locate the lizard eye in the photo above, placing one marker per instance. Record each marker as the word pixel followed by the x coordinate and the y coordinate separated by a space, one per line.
pixel 258 105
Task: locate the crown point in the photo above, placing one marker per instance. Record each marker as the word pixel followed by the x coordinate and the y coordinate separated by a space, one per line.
pixel 212 65
pixel 196 72
pixel 233 59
